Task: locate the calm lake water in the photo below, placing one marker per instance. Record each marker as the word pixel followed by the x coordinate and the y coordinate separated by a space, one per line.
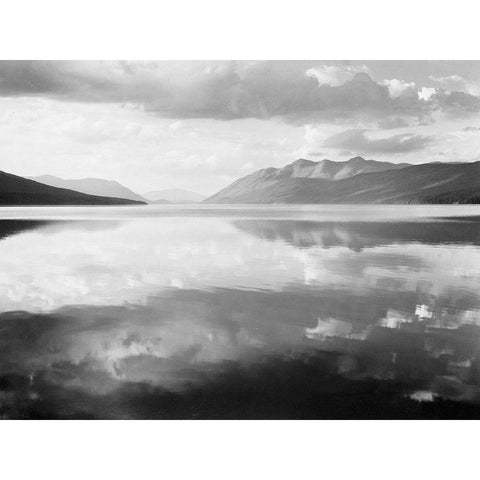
pixel 240 312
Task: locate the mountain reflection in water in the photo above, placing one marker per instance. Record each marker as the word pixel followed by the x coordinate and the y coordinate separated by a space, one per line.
pixel 238 315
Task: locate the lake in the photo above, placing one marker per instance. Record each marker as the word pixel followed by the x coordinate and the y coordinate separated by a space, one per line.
pixel 240 312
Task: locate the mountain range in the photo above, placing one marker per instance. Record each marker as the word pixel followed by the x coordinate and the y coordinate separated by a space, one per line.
pixel 356 181
pixel 15 190
pixel 91 186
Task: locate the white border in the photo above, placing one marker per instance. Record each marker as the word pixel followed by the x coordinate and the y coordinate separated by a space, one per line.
pixel 247 29
pixel 238 450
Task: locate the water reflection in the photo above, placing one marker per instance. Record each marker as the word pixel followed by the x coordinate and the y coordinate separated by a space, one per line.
pixel 239 317
pixel 360 235
pixel 9 228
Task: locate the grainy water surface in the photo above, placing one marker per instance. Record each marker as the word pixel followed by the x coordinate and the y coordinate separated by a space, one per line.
pixel 240 312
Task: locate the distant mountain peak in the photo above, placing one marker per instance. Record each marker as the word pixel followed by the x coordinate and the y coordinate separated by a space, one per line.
pixel 358 181
pixel 15 190
pixel 302 161
pixel 174 195
pixel 245 189
pixel 357 159
pixel 90 186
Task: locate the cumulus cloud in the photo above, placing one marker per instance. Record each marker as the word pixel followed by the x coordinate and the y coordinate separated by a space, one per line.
pixel 335 75
pixel 356 140
pixel 224 90
pixel 426 93
pixel 452 83
pixel 296 92
pixel 398 87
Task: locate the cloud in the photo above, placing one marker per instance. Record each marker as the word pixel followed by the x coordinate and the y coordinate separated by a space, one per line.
pixel 226 90
pixel 426 93
pixel 82 130
pixel 398 87
pixel 392 122
pixel 457 103
pixel 452 83
pixel 334 75
pixel 248 166
pixel 471 129
pixel 221 90
pixel 356 140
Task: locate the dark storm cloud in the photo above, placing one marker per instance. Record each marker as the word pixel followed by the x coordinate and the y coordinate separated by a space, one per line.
pixel 225 90
pixel 356 140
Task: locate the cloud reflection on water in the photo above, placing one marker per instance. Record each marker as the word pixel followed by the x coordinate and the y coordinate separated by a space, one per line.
pixel 176 306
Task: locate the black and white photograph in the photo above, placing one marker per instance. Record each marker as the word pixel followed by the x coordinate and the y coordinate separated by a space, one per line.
pixel 239 240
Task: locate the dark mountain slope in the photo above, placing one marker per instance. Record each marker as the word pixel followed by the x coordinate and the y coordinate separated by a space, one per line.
pixel 91 186
pixel 15 190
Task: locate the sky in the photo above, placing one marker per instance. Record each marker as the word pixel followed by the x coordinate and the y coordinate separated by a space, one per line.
pixel 200 125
